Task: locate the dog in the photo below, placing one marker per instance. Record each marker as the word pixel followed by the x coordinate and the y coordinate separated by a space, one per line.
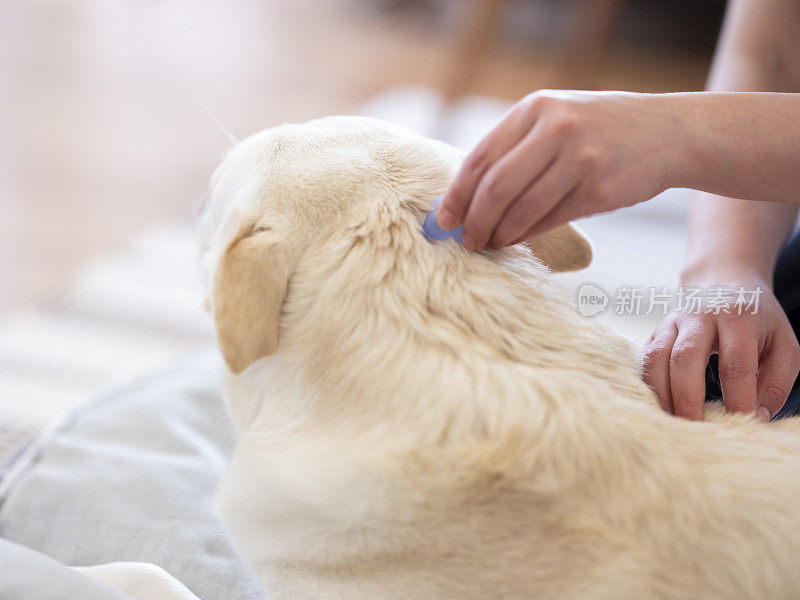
pixel 420 421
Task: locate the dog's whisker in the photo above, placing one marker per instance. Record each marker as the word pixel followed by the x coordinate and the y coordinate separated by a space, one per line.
pixel 224 130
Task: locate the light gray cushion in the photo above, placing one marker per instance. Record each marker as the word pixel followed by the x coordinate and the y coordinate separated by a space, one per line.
pixel 28 575
pixel 132 478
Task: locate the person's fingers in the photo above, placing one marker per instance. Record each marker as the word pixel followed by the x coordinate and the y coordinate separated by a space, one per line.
pixel 738 364
pixel 568 209
pixel 549 190
pixel 776 375
pixel 588 198
pixel 687 366
pixel 506 134
pixel 505 183
pixel 655 364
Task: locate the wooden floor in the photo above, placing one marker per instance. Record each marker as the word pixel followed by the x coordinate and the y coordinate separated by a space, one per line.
pixel 103 128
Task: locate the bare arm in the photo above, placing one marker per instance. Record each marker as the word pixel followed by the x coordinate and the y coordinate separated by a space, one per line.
pixel 741 145
pixel 560 155
pixel 759 50
pixel 737 242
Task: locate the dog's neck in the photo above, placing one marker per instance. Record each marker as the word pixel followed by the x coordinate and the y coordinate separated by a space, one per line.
pixel 384 309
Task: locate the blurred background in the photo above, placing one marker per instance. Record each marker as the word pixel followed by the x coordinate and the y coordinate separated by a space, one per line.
pixel 102 101
pixel 106 141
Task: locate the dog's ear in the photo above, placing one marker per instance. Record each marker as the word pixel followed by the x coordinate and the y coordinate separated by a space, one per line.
pixel 249 287
pixel 563 248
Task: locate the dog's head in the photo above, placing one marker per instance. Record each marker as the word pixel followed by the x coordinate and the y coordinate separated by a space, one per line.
pixel 297 191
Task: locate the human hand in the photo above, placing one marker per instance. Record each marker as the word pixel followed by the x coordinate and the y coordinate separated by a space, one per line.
pixel 560 155
pixel 759 358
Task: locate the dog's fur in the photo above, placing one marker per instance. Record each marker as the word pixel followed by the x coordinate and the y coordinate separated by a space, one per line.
pixel 419 421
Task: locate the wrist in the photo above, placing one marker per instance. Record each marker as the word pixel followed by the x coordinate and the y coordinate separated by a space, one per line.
pixel 725 271
pixel 684 158
pixel 688 119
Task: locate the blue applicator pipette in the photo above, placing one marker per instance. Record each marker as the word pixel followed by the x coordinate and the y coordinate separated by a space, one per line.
pixel 432 230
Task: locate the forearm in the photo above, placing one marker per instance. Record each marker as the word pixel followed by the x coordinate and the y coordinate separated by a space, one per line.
pixel 742 145
pixel 735 240
pixel 758 51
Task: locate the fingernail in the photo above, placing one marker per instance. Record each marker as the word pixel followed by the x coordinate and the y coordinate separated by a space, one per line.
pixel 763 415
pixel 446 219
pixel 468 242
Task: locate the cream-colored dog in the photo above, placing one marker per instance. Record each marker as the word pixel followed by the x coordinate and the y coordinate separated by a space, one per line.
pixel 419 421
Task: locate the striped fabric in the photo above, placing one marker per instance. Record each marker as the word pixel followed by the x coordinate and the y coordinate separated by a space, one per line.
pixel 122 316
